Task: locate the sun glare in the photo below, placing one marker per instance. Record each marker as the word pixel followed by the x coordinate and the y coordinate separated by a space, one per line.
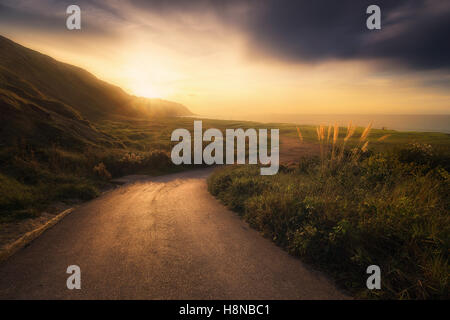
pixel 139 83
pixel 145 90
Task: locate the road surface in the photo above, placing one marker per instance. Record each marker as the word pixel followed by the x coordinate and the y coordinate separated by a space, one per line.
pixel 159 238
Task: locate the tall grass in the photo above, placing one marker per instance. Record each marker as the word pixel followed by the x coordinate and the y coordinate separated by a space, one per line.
pixel 332 151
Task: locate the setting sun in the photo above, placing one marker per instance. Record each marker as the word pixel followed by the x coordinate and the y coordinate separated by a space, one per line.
pixel 143 89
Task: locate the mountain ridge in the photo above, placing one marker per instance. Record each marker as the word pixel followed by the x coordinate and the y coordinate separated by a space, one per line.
pixel 41 97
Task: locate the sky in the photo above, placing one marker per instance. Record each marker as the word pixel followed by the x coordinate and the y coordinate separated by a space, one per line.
pixel 223 58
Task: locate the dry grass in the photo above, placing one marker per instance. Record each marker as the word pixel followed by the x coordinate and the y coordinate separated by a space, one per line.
pixel 384 137
pixel 331 151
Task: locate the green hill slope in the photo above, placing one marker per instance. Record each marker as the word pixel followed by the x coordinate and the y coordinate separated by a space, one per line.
pixel 43 99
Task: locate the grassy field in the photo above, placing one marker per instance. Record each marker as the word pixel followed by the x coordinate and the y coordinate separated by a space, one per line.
pixel 345 208
pixel 36 172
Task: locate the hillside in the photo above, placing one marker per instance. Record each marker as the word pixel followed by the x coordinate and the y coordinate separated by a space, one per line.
pixel 43 99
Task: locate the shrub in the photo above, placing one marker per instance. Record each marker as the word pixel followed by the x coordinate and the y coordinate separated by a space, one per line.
pixel 81 190
pixel 416 153
pixel 101 172
pixel 13 194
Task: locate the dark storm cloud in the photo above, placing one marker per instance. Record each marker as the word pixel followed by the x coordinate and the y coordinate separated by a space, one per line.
pixel 414 33
pixel 19 17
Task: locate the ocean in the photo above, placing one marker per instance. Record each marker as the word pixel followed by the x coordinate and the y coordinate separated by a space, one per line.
pixel 421 123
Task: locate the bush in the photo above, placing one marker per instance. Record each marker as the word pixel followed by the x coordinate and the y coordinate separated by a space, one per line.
pixel 13 194
pixel 82 190
pixel 416 153
pixel 425 155
pixel 101 172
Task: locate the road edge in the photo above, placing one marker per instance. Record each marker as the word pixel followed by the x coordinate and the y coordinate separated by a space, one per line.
pixel 28 237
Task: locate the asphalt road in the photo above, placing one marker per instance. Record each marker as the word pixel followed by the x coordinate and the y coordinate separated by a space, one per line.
pixel 159 238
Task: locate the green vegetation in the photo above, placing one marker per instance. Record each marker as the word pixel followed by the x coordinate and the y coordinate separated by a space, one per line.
pixel 389 208
pixel 33 169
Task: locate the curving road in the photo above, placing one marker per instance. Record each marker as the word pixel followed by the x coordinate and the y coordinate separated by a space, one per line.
pixel 159 238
